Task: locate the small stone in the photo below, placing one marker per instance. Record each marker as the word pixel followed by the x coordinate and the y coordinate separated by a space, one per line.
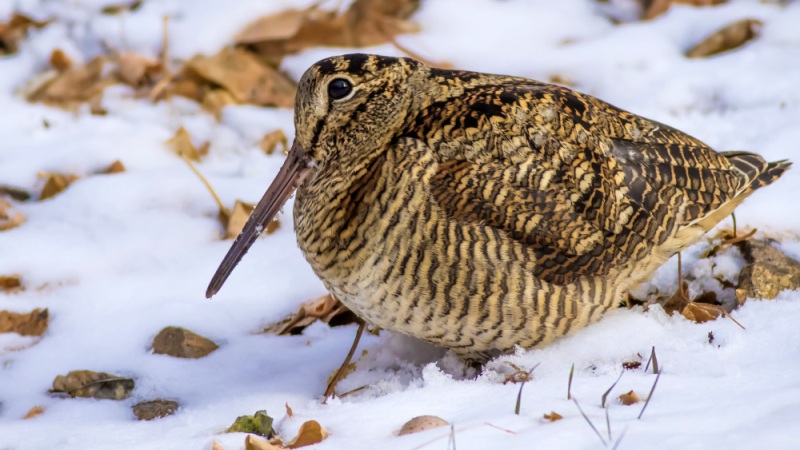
pixel 182 343
pixel 155 409
pixel 88 384
pixel 768 273
pixel 422 423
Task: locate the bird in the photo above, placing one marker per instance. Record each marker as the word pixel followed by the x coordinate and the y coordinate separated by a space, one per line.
pixel 482 212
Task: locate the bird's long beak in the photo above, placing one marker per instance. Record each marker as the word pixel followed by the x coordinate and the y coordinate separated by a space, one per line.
pixel 289 177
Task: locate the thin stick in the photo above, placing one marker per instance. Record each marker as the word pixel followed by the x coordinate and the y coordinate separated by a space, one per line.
pixel 222 207
pixel 733 217
pixel 603 398
pixel 649 396
pixel 589 422
pixel 499 428
pixel 729 316
pixel 680 271
pixel 452 439
pixel 165 45
pixel 335 380
pixel 519 394
pixel 654 360
pixel 619 439
pixel 569 383
pixel 608 424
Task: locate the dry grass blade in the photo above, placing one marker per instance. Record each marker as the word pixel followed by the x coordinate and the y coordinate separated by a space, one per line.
pixel 619 439
pixel 589 421
pixel 605 395
pixel 222 209
pixel 608 424
pixel 569 383
pixel 652 359
pixel 451 443
pixel 649 396
pixel 519 394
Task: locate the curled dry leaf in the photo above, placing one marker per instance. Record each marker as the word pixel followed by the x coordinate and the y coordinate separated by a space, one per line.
pixel 155 409
pixel 88 384
pixel 259 423
pixel 701 312
pixel 115 167
pixel 326 309
pixel 731 37
pixel 18 194
pixel 553 416
pixel 15 30
pixel 9 219
pixel 34 412
pixel 182 343
pixel 678 301
pixel 658 7
pixel 33 323
pixel 79 84
pixel 217 446
pixel 422 423
pixel 54 184
pixel 181 143
pixel 134 69
pixel 234 221
pixel 310 433
pixel 10 283
pixel 60 61
pixel 271 140
pixel 629 398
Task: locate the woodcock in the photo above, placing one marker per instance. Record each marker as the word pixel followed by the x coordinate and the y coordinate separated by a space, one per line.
pixel 480 212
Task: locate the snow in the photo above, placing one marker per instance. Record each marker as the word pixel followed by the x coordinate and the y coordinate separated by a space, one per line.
pixel 116 258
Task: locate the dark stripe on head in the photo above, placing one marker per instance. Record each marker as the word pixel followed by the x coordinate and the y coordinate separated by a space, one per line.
pixel 326 66
pixel 356 62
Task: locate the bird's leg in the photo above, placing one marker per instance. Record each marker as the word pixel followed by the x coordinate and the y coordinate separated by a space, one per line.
pixel 336 378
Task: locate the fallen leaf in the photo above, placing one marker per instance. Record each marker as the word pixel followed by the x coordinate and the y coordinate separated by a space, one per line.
pixel 182 343
pixel 346 370
pixel 215 100
pixel 272 140
pixel 54 184
pixel 701 312
pixel 658 7
pixel 20 195
pixel 631 365
pixel 629 398
pixel 553 416
pixel 235 220
pixel 289 411
pixel 134 69
pixel 33 323
pixel 60 61
pixel 325 309
pixel 154 409
pixel 15 30
pixel 181 143
pixel 732 36
pixel 245 77
pixel 88 384
pixel 678 301
pixel 259 423
pixel 120 8
pixel 34 412
pixel 422 423
pixel 115 167
pixel 10 282
pixel 310 433
pixel 256 443
pixel 9 220
pixel 72 87
pixel 217 446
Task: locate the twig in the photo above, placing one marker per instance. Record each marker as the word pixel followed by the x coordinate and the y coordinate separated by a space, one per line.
pixel 519 394
pixel 619 439
pixel 358 389
pixel 335 380
pixel 733 218
pixel 608 424
pixel 649 396
pixel 729 316
pixel 589 422
pixel 452 439
pixel 569 383
pixel 654 360
pixel 222 208
pixel 500 428
pixel 605 395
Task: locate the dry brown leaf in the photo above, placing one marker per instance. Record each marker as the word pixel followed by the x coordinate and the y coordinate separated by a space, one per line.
pixel 658 7
pixel 310 433
pixel 216 99
pixel 553 416
pixel 245 77
pixel 34 412
pixel 289 411
pixel 631 365
pixel 217 446
pixel 421 423
pixel 731 37
pixel 15 30
pixel 344 371
pixel 272 140
pixel 9 220
pixel 20 195
pixel 701 312
pixel 234 221
pixel 88 384
pixel 678 301
pixel 252 442
pixel 182 343
pixel 33 323
pixel 54 184
pixel 77 85
pixel 181 143
pixel 629 398
pixel 282 25
pixel 120 8
pixel 10 283
pixel 115 167
pixel 60 61
pixel 326 309
pixel 134 70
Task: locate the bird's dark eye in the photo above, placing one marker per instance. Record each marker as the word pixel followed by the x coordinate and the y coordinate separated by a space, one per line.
pixel 339 88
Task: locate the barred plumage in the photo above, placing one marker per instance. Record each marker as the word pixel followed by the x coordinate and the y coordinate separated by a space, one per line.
pixel 480 212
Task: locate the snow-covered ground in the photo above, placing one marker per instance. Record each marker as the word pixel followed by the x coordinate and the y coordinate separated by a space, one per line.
pixel 116 258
